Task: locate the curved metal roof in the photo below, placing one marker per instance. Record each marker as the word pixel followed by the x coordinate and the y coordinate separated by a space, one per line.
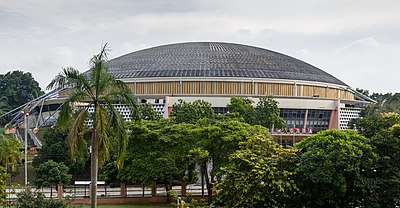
pixel 213 59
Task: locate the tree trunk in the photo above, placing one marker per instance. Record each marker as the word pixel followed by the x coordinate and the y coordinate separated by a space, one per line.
pixel 144 187
pixel 154 188
pixel 167 188
pixel 93 169
pixel 208 183
pixel 202 181
pixel 123 190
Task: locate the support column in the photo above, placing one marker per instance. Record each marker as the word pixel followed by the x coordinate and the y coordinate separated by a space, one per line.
pixel 305 120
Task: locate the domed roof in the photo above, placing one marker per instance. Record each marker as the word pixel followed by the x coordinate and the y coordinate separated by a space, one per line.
pixel 213 59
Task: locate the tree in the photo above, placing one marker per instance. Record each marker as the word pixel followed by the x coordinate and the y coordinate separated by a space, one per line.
pixel 385 103
pixel 18 88
pixel 98 90
pixel 335 169
pixel 267 113
pixel 216 140
pixel 387 167
pixel 3 179
pixel 369 126
pixel 159 151
pixel 259 174
pixel 146 112
pixel 384 133
pixel 34 199
pixel 243 108
pixel 51 173
pixel 55 147
pixel 191 112
pixel 10 152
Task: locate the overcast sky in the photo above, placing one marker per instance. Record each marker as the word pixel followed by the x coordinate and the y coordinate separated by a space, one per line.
pixel 358 41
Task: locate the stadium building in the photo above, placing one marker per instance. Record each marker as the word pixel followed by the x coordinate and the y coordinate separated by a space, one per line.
pixel 310 99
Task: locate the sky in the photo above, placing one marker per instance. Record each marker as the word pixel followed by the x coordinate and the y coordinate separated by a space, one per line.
pixel 357 41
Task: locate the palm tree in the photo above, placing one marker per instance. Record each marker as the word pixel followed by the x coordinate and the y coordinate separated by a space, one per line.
pixel 10 152
pixel 99 91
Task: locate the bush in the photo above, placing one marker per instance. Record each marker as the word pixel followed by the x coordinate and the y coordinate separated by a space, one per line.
pixel 34 199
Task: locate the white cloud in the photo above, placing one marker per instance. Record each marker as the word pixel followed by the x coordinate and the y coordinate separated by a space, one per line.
pixel 361 45
pixel 356 41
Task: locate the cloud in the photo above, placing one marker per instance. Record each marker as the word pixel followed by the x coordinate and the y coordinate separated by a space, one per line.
pixel 349 39
pixel 364 44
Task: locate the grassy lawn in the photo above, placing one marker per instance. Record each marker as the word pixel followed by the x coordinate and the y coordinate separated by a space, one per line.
pixel 127 206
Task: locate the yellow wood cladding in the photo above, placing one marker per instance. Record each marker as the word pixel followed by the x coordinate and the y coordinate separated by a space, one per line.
pixel 236 88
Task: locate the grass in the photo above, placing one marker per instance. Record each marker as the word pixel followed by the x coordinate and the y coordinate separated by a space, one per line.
pixel 127 206
pixel 19 178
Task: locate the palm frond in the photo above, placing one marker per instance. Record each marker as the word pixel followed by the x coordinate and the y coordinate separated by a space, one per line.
pixel 117 128
pixel 99 75
pixel 74 136
pixel 101 125
pixel 66 111
pixel 72 79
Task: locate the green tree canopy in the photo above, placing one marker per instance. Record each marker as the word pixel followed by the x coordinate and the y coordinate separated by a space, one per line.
pixel 18 88
pixel 51 173
pixel 3 179
pixel 191 112
pixel 145 111
pixel 384 133
pixel 259 174
pixel 387 167
pixel 55 147
pixel 10 152
pixel 385 103
pixel 335 169
pixel 158 151
pixel 216 140
pixel 369 126
pixel 266 112
pixel 98 90
pixel 243 108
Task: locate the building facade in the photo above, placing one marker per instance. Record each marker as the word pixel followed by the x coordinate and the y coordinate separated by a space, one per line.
pixel 309 98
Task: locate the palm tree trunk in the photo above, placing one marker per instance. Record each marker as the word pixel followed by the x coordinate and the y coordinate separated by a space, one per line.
pixel 93 169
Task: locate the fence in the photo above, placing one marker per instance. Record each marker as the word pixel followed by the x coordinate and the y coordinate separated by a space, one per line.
pixel 81 191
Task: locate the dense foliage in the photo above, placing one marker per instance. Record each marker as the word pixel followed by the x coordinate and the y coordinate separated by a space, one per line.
pixel 384 133
pixel 10 152
pixel 243 107
pixel 98 90
pixel 265 113
pixel 51 173
pixel 240 163
pixel 191 112
pixel 335 169
pixel 34 199
pixel 259 174
pixel 55 148
pixel 17 88
pixel 145 111
pixel 158 151
pixel 3 179
pixel 385 103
